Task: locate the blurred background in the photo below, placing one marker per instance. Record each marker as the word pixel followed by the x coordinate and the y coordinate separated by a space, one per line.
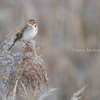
pixel 69 41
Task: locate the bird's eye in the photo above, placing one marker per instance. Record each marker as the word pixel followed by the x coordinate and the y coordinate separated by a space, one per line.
pixel 35 25
pixel 33 22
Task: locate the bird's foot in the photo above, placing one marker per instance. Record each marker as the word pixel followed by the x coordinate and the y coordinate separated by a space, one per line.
pixel 26 43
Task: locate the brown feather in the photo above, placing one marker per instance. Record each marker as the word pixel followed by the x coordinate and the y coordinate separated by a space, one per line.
pixel 32 22
pixel 20 34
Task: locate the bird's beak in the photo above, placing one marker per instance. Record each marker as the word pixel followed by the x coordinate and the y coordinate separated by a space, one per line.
pixel 36 22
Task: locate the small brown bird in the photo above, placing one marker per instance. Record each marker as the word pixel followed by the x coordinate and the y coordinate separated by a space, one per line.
pixel 28 31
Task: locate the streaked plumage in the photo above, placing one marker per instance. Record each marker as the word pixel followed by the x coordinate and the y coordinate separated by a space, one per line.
pixel 28 31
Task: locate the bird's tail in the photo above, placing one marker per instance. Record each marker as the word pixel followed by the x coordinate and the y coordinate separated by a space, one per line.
pixel 11 46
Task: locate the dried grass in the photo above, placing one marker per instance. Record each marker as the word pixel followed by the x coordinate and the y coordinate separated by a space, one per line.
pixel 24 71
pixel 77 95
pixel 20 71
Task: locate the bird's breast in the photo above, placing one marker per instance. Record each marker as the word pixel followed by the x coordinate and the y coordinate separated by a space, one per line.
pixel 28 35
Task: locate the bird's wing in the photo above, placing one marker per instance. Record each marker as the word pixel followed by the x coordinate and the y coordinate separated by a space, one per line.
pixel 20 33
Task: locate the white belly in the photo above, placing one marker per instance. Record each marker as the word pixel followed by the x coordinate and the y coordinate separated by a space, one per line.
pixel 28 35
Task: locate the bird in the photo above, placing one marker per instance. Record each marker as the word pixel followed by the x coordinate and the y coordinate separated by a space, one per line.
pixel 27 32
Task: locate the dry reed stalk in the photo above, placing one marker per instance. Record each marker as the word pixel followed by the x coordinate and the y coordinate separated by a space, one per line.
pixel 25 90
pixel 77 95
pixel 25 66
pixel 15 89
